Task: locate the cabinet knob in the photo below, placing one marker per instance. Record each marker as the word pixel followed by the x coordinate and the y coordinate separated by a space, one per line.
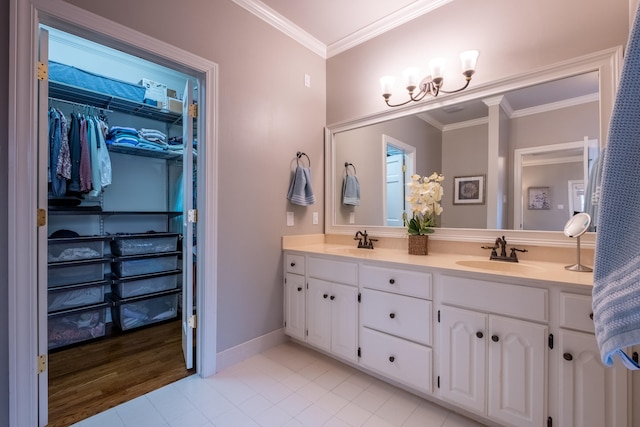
pixel 392 315
pixel 567 356
pixel 392 281
pixel 332 297
pixel 479 334
pixel 293 264
pixel 495 338
pixel 392 359
pixel 325 295
pixel 591 316
pixel 299 288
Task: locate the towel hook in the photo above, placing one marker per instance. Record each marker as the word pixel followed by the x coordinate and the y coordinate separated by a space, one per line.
pixel 347 164
pixel 299 154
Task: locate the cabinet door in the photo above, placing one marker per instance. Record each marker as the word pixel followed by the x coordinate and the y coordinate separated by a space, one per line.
pixel 590 394
pixel 319 314
pixel 516 375
pixel 463 337
pixel 344 318
pixel 294 302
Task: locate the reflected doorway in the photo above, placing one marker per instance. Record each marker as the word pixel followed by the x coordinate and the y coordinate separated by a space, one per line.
pixel 400 164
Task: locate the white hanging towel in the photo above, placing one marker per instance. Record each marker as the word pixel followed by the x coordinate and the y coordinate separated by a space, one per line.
pixel 616 291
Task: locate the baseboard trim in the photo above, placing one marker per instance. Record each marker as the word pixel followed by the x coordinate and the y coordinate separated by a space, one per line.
pixel 248 349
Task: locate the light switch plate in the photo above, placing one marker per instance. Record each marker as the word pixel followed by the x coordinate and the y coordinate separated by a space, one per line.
pixel 315 218
pixel 352 217
pixel 289 219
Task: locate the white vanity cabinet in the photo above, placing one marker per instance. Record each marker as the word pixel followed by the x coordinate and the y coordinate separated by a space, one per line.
pixel 396 324
pixel 590 394
pixel 294 296
pixel 332 307
pixel 493 343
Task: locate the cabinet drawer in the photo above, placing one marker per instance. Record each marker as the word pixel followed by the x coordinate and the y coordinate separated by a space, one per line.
pixel 398 359
pixel 333 271
pixel 399 315
pixel 512 300
pixel 406 282
pixel 576 312
pixel 294 263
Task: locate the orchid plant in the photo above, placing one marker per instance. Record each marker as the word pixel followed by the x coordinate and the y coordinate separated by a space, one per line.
pixel 424 196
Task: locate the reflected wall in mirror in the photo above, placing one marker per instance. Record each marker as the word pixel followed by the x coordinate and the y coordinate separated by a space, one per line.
pixel 456 140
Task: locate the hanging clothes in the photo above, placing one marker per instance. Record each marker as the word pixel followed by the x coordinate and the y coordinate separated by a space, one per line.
pixel 58 185
pixel 85 158
pixel 104 159
pixel 96 181
pixel 64 156
pixel 75 151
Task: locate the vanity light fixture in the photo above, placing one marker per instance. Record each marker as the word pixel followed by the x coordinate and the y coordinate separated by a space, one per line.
pixel 431 84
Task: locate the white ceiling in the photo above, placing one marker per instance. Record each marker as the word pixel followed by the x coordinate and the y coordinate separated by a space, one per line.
pixel 329 27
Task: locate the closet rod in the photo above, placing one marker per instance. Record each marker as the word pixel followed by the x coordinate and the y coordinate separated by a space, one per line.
pixel 80 104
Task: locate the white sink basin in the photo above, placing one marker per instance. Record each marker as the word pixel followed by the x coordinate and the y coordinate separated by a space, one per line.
pixel 501 266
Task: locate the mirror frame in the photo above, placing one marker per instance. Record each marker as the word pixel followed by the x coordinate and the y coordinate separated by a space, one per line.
pixel 608 64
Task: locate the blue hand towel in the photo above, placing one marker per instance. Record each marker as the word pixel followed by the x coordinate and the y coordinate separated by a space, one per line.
pixel 300 191
pixel 351 191
pixel 616 291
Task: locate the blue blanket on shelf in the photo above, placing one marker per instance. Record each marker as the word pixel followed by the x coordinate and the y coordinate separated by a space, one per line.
pixel 616 291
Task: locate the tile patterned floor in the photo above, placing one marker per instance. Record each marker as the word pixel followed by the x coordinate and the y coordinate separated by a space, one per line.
pixel 287 385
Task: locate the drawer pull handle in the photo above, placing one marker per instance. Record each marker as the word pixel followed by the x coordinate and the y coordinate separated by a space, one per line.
pixel 591 316
pixel 325 296
pixel 332 297
pixel 479 334
pixel 568 357
pixel 495 338
pixel 392 315
pixel 293 264
pixel 392 281
pixel 299 288
pixel 392 359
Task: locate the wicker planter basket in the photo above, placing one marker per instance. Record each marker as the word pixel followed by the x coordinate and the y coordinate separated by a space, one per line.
pixel 418 244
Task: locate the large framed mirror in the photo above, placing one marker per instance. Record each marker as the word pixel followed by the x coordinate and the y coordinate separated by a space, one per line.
pixel 535 134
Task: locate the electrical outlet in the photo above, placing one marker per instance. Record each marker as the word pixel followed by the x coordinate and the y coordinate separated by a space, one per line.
pixel 307 80
pixel 315 218
pixel 352 217
pixel 289 219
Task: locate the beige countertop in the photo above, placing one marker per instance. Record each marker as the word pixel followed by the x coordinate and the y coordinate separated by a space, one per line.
pixel 525 269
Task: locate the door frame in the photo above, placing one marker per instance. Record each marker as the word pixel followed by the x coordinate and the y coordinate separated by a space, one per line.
pixel 25 16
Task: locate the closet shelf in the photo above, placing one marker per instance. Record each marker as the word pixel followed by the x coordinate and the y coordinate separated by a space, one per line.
pixel 56 211
pixel 167 155
pixel 99 100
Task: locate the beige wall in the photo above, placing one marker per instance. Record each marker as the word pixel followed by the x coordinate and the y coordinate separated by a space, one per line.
pixel 266 115
pixel 4 294
pixel 512 36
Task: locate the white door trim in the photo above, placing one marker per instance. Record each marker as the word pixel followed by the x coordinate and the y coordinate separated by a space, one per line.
pixel 25 15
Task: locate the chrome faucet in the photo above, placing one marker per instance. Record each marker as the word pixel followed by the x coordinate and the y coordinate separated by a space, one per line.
pixel 364 242
pixel 501 243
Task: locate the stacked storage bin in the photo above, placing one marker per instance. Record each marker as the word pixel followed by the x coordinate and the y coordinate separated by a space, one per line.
pixel 76 281
pixel 146 277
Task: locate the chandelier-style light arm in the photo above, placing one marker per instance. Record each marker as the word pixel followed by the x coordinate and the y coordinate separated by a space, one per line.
pixel 430 85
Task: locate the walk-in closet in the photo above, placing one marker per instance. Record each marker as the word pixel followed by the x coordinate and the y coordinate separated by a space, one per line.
pixel 121 168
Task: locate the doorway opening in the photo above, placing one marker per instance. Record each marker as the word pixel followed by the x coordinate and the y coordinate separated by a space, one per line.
pixel 400 164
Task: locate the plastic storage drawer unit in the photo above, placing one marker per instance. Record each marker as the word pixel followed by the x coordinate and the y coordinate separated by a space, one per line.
pixel 146 284
pixel 72 296
pixel 147 243
pixel 145 264
pixel 140 311
pixel 75 248
pixel 76 325
pixel 67 273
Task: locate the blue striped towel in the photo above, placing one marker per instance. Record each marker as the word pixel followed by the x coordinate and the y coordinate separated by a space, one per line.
pixel 616 291
pixel 300 191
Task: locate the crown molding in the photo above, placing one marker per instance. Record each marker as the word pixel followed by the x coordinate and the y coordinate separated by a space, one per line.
pixel 279 22
pixel 572 102
pixel 385 24
pixel 381 26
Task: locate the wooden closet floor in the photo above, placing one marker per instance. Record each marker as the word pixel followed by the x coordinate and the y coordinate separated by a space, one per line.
pixel 91 378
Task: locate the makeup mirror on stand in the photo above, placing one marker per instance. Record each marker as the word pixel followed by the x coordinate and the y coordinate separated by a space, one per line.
pixel 576 227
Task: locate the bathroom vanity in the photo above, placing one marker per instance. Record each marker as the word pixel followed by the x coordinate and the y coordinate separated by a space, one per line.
pixel 505 343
